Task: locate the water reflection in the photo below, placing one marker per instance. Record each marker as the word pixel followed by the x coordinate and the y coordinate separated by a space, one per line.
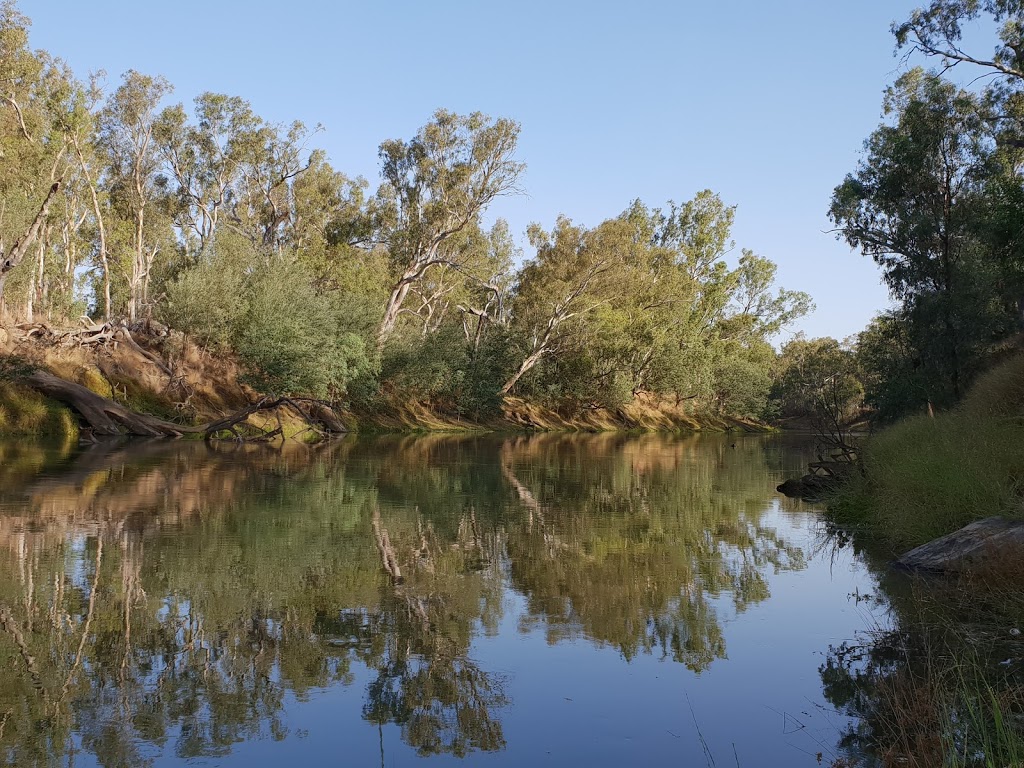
pixel 168 598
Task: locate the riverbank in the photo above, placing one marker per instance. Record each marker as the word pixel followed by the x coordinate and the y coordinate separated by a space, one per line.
pixel 944 684
pixel 927 476
pixel 159 373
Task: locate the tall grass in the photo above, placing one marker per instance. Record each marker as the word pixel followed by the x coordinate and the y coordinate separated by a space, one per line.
pixel 953 693
pixel 943 686
pixel 27 413
pixel 925 477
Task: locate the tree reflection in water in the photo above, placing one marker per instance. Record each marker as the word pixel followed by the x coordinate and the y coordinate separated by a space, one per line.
pixel 159 596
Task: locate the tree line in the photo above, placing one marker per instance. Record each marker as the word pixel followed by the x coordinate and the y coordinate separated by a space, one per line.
pixel 239 232
pixel 937 201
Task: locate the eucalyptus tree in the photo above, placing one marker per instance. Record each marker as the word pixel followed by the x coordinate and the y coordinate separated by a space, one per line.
pixel 647 302
pixel 128 141
pixel 555 290
pixel 436 185
pixel 205 159
pixel 81 125
pixel 912 203
pixel 697 238
pixel 33 89
pixel 264 206
pixel 936 30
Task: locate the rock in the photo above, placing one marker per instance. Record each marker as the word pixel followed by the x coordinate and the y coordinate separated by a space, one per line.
pixel 793 487
pixel 808 487
pixel 970 546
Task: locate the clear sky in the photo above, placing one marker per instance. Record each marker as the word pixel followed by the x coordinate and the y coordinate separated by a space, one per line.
pixel 765 103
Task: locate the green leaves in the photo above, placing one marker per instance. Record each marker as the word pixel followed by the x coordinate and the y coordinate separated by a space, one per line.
pixel 263 306
pixel 647 302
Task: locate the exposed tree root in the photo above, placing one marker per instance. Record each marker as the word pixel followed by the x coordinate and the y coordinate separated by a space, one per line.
pixel 103 417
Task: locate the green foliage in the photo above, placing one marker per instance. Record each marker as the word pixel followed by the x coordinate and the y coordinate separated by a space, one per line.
pixel 817 379
pixel 926 477
pixel 938 202
pixel 292 339
pixel 240 232
pixel 446 372
pixel 647 302
pixel 742 377
pixel 426 369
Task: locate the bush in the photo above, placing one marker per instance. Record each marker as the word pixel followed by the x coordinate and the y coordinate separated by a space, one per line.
pixel 291 339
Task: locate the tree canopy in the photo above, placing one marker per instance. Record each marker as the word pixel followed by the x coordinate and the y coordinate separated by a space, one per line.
pixel 120 204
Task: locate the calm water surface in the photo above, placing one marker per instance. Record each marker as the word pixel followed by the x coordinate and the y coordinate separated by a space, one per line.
pixel 552 600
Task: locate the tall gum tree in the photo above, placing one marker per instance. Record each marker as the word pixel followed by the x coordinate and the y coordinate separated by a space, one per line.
pixel 205 159
pixel 911 203
pixel 435 186
pixel 127 139
pixel 33 91
pixel 564 282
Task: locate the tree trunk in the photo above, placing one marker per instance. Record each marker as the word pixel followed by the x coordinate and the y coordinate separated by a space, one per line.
pixel 394 306
pixel 23 243
pixel 101 229
pixel 526 365
pixel 107 418
pixel 104 416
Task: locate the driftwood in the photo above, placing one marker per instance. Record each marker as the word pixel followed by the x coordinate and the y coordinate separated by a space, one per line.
pixel 987 540
pixel 90 335
pixel 318 417
pixel 104 417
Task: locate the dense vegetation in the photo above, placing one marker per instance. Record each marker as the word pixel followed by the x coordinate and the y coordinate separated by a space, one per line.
pixel 239 232
pixel 937 202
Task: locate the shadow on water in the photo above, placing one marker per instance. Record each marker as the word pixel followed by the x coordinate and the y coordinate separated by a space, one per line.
pixel 171 598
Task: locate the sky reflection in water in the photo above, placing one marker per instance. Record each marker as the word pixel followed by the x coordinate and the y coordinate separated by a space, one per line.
pixel 606 600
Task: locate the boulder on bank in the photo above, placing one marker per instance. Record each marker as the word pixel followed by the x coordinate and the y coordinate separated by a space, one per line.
pixel 969 547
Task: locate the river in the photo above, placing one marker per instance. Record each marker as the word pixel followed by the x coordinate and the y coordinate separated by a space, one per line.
pixel 601 600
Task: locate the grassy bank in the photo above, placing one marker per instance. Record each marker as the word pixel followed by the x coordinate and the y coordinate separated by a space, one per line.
pixel 924 477
pixel 205 387
pixel 945 684
pixel 29 414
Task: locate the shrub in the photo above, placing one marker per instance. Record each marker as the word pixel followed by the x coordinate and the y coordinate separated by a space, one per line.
pixel 290 338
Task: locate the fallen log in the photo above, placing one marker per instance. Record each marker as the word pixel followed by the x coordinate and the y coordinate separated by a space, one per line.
pixel 987 540
pixel 104 417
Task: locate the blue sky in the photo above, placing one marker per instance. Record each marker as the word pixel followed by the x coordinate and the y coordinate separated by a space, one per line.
pixel 766 104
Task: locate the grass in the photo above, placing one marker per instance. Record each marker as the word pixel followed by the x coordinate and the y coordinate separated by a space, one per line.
pixel 943 686
pixel 937 690
pixel 947 688
pixel 24 412
pixel 925 477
